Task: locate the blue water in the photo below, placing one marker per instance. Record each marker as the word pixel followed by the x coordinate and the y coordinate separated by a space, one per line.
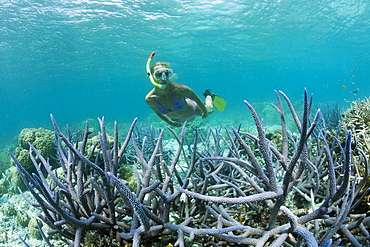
pixel 86 59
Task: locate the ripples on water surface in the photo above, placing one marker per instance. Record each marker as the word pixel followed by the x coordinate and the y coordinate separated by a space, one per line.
pixel 84 59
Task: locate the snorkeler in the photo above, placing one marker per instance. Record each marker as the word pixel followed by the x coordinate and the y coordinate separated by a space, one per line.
pixel 173 102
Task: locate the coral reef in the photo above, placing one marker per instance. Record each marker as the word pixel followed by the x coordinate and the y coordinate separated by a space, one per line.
pixel 15 213
pixel 4 160
pixel 333 115
pixel 33 229
pixel 209 191
pixel 42 139
pixel 94 239
pixel 23 218
pixel 357 119
pixel 10 181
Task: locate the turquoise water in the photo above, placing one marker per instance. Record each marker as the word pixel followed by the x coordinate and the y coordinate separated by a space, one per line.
pixel 86 59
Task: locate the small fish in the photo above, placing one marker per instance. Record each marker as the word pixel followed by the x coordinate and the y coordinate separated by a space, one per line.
pixel 352 76
pixel 344 86
pixel 353 83
pixel 352 71
pixel 356 91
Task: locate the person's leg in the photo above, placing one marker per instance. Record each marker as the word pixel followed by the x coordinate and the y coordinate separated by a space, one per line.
pixel 209 104
pixel 208 101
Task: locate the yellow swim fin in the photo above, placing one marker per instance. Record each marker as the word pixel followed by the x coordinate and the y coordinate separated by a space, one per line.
pixel 219 103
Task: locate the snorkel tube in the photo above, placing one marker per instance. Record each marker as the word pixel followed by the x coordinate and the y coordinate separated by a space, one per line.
pixel 151 78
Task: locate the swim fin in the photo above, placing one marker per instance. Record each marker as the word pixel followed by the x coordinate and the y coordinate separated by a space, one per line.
pixel 218 102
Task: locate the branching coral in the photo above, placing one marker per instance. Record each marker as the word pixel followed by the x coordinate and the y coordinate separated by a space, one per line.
pixel 357 119
pixel 202 192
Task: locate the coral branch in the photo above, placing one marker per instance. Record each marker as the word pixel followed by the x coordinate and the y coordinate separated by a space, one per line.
pixel 206 185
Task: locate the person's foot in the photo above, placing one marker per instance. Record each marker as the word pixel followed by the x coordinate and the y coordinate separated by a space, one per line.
pixel 207 92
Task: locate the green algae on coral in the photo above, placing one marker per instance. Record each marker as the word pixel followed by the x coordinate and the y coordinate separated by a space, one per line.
pixel 95 239
pixel 33 229
pixel 23 219
pixel 42 139
pixel 11 181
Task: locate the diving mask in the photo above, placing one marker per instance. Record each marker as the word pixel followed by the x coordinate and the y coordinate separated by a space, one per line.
pixel 163 74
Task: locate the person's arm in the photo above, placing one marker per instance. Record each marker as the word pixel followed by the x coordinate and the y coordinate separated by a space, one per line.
pixel 189 93
pixel 150 100
pixel 168 120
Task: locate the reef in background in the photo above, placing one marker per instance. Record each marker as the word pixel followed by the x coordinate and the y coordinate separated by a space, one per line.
pixel 357 119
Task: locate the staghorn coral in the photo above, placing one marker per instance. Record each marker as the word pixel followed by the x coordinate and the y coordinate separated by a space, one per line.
pixel 206 195
pixel 357 119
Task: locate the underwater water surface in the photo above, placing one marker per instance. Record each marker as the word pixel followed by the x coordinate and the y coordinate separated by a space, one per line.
pixel 86 59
